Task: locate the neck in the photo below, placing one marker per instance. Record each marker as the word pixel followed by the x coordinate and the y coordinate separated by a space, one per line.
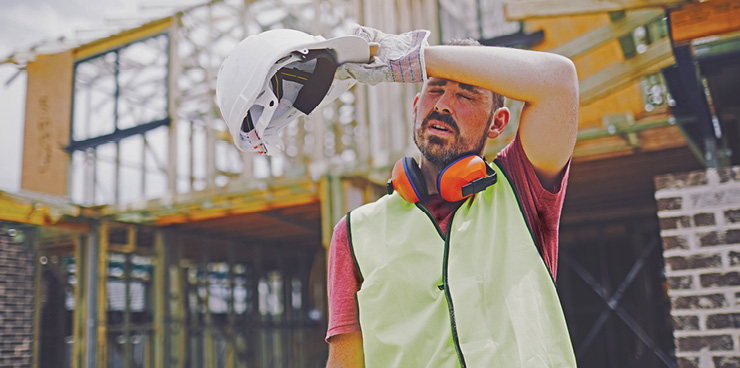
pixel 430 172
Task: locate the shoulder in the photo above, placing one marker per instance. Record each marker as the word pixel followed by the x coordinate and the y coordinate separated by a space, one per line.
pixel 379 206
pixel 340 229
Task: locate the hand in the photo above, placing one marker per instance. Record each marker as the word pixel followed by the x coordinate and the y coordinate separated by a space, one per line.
pixel 396 58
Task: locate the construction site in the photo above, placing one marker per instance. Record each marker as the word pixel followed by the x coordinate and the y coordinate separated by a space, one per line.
pixel 142 237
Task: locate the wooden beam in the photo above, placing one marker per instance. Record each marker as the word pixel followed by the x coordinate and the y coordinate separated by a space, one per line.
pixel 529 9
pixel 704 19
pixel 287 220
pixel 658 56
pixel 589 41
pixel 106 44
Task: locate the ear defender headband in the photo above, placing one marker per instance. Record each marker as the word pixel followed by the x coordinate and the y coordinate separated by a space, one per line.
pixel 459 180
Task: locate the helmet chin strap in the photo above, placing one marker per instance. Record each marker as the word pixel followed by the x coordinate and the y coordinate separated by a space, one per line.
pixel 269 103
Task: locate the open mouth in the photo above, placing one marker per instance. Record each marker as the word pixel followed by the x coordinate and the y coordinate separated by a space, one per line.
pixel 439 128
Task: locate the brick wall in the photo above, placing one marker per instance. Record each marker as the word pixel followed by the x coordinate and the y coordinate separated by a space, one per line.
pixel 16 298
pixel 700 225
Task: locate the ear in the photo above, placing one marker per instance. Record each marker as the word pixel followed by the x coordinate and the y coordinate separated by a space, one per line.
pixel 500 120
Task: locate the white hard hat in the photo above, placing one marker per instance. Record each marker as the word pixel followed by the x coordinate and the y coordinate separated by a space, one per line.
pixel 273 77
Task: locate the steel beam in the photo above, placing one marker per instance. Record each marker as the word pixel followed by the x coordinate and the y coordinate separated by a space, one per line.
pixel 116 136
pixel 689 80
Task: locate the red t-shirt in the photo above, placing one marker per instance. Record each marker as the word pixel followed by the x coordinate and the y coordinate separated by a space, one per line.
pixel 542 207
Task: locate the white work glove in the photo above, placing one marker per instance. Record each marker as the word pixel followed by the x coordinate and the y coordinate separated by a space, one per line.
pixel 399 58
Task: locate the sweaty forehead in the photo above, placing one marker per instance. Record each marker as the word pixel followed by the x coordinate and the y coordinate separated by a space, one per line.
pixel 439 82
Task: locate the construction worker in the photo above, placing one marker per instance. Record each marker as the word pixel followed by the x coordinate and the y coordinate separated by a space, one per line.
pixel 457 266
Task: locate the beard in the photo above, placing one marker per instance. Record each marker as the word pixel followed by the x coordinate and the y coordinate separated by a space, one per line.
pixel 440 152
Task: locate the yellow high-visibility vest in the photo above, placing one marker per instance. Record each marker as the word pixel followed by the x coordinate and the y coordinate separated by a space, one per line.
pixel 479 296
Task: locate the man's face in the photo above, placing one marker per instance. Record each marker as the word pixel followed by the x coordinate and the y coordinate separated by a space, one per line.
pixel 451 119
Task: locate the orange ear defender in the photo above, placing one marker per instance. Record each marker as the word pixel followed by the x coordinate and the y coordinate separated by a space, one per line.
pixel 460 179
pixel 408 180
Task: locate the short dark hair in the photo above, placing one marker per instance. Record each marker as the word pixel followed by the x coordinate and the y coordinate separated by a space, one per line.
pixel 498 100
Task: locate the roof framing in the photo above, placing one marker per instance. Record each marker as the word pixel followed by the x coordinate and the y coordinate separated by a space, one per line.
pixel 520 10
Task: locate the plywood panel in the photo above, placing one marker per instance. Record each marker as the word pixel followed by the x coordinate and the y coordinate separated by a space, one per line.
pixel 47 126
pixel 658 56
pixel 627 99
pixel 599 58
pixel 561 30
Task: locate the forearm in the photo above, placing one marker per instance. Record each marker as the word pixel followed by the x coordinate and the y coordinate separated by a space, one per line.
pixel 345 351
pixel 524 75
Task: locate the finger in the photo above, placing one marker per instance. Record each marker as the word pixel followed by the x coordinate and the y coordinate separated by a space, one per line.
pixel 342 73
pixel 369 33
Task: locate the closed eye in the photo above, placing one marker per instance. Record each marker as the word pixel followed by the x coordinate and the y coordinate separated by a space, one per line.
pixel 465 96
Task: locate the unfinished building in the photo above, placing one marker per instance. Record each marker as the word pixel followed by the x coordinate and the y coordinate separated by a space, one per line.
pixel 143 238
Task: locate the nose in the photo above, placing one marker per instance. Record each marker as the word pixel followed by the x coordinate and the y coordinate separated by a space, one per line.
pixel 444 103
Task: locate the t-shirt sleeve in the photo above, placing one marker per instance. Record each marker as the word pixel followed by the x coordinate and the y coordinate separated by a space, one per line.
pixel 343 282
pixel 541 205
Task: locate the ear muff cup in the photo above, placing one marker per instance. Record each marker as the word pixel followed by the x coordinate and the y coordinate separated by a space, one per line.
pixel 408 181
pixel 459 180
pixel 457 175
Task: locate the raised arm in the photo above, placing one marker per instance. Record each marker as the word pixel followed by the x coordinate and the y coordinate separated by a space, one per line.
pixel 546 82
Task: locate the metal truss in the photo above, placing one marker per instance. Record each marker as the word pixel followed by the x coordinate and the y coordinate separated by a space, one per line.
pixel 119 110
pixel 479 19
pixel 612 303
pixel 145 123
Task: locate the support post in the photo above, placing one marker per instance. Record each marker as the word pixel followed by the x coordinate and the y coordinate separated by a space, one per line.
pixel 697 99
pixel 38 282
pixel 176 303
pixel 208 343
pixel 173 73
pixel 161 298
pixel 101 300
pixel 80 306
pixel 91 295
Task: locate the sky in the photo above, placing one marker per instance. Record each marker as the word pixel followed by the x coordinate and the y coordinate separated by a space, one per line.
pixel 23 24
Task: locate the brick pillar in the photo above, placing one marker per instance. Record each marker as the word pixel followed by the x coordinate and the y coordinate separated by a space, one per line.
pixel 16 298
pixel 700 225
